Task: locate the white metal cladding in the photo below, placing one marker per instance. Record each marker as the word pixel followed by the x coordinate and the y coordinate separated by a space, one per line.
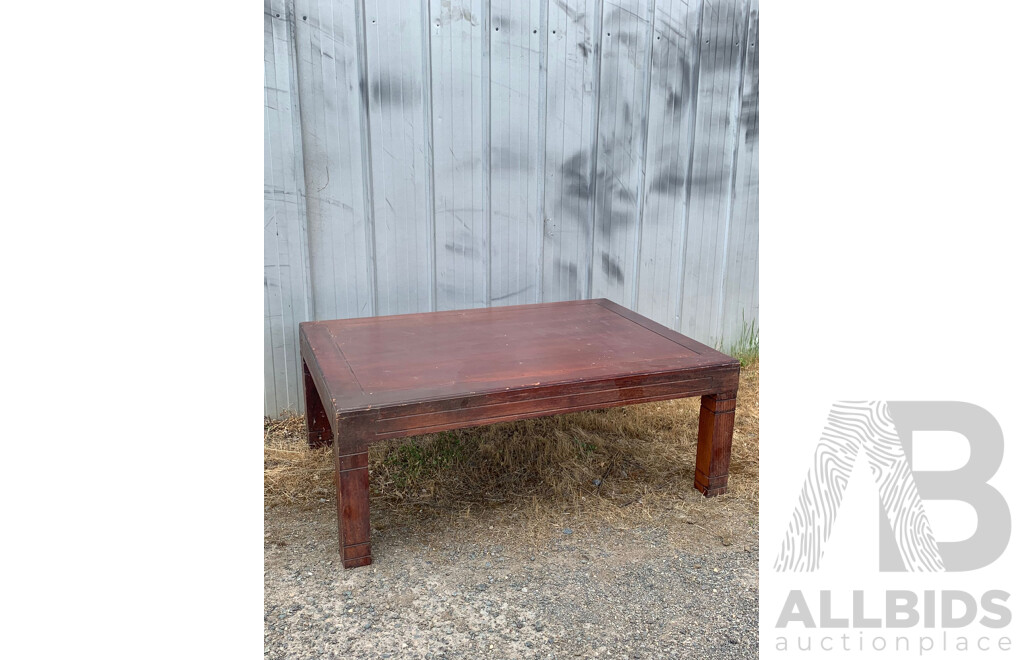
pixel 450 154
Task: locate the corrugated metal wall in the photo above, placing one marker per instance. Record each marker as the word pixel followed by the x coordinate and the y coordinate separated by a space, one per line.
pixel 446 154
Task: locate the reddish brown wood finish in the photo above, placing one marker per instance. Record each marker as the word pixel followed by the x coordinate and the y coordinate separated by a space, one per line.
pixel 353 484
pixel 374 378
pixel 318 427
pixel 714 442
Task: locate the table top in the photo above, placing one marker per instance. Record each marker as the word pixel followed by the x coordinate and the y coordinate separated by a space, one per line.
pixel 375 362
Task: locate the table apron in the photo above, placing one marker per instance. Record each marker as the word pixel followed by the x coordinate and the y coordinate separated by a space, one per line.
pixel 396 425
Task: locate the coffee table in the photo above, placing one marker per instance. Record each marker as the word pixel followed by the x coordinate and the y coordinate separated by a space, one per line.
pixel 370 379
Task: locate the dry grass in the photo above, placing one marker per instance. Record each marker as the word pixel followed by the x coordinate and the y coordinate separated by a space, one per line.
pixel 617 464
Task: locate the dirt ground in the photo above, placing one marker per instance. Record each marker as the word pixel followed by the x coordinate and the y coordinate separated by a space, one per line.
pixel 597 546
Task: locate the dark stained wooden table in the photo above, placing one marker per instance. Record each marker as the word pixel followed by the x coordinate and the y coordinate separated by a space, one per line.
pixel 370 379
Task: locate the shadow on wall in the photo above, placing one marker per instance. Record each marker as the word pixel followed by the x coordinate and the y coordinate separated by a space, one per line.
pixel 595 177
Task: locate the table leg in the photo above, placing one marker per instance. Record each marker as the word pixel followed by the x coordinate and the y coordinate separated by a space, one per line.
pixel 318 426
pixel 353 481
pixel 714 442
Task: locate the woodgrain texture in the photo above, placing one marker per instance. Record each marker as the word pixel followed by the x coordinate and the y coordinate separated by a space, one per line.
pixel 714 442
pixel 386 377
pixel 476 153
pixel 378 363
pixel 353 494
pixel 318 425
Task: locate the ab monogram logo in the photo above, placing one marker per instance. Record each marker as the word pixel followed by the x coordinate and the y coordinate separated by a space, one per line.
pixel 882 431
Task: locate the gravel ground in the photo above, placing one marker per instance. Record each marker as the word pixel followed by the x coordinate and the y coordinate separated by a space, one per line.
pixel 475 587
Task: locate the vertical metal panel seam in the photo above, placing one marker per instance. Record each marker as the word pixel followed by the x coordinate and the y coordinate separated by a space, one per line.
pixel 559 271
pixel 613 154
pixel 383 266
pixel 695 94
pixel 731 201
pixel 521 231
pixel 542 152
pixel 321 107
pixel 485 110
pixel 723 35
pixel 754 287
pixel 602 204
pixel 303 191
pixel 309 118
pixel 641 196
pixel 509 213
pixel 713 40
pixel 365 145
pixel 269 327
pixel 592 192
pixel 266 285
pixel 428 128
pixel 752 166
pixel 269 383
pixel 297 167
pixel 284 300
pixel 448 97
pixel 674 119
pixel 366 164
